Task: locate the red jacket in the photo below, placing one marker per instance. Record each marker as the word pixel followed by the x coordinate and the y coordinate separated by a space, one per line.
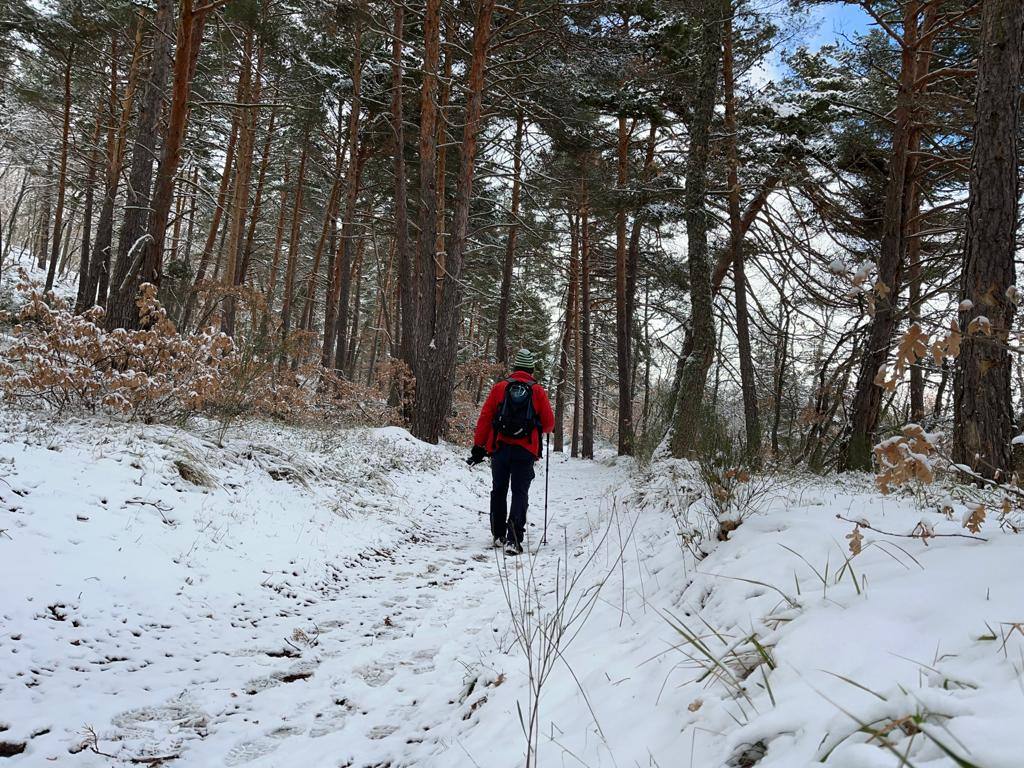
pixel 487 438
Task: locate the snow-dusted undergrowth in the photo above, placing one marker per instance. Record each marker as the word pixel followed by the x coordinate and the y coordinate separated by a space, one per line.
pixel 327 598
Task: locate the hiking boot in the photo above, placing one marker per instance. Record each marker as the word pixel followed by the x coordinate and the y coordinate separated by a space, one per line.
pixel 512 548
pixel 499 542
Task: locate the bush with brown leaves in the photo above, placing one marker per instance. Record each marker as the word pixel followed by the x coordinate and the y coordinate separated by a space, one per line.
pixel 70 361
pixel 65 361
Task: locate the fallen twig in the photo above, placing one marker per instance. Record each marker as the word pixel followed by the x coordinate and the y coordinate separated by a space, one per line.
pixel 923 536
pixel 155 760
pixel 159 506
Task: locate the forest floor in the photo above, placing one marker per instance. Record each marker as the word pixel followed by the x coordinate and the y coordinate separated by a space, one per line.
pixel 312 597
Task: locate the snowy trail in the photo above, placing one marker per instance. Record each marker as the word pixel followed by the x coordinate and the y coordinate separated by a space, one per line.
pixel 403 632
pixel 329 598
pixel 372 639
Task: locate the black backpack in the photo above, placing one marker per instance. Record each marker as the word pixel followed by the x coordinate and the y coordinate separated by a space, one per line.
pixel 516 416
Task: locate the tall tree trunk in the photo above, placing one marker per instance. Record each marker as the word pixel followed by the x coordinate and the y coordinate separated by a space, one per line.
pixel 574 450
pixel 353 340
pixel 293 251
pixel 505 296
pixel 99 265
pixel 90 188
pixel 982 405
pixel 94 290
pixel 13 219
pixel 275 262
pixel 122 311
pixel 62 173
pixel 855 452
pixel 257 205
pixel 426 266
pixel 914 303
pixel 66 242
pixel 781 355
pixel 694 366
pixel 243 174
pixel 434 382
pixel 190 38
pixel 443 119
pixel 43 237
pixel 335 339
pixel 748 383
pixel 563 351
pixel 218 211
pixel 328 236
pixel 633 254
pixel 623 323
pixel 406 272
pixel 586 342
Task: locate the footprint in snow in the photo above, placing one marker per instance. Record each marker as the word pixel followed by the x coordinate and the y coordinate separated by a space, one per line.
pixel 248 751
pixel 180 714
pixel 422 661
pixel 381 731
pixel 375 675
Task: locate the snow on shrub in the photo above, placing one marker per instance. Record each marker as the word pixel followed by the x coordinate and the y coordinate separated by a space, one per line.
pixel 905 458
pixel 70 362
pixel 913 458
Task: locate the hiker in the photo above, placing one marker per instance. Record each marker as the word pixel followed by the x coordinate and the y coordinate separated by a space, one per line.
pixel 514 416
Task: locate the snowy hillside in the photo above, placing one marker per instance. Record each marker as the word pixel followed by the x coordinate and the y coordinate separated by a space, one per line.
pixel 327 598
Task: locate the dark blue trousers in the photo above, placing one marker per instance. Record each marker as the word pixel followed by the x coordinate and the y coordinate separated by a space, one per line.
pixel 510 465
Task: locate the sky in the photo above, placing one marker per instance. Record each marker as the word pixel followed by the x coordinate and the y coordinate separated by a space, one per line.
pixel 839 20
pixel 824 24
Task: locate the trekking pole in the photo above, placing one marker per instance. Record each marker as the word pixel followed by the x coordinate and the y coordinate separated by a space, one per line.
pixel 547 472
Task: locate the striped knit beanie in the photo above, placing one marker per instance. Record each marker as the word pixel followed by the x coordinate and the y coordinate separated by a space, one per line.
pixel 523 359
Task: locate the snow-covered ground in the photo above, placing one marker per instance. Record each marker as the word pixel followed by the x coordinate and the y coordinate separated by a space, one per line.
pixel 64 286
pixel 313 597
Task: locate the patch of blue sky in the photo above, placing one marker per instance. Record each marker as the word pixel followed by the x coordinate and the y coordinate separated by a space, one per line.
pixel 837 22
pixel 821 25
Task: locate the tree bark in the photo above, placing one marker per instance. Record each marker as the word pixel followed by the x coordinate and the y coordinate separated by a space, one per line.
pixel 90 188
pixel 43 238
pixel 426 266
pixel 275 263
pixel 406 272
pixel 505 296
pixel 563 352
pixel 633 257
pixel 587 366
pixel 983 415
pixel 218 211
pixel 855 452
pixel 99 267
pixel 623 323
pixel 914 304
pixel 243 176
pixel 335 337
pixel 293 250
pixel 190 37
pixel 436 361
pixel 62 173
pixel 693 369
pixel 748 383
pixel 257 204
pixel 122 311
pixel 353 337
pixel 443 98
pixel 574 450
pixel 328 237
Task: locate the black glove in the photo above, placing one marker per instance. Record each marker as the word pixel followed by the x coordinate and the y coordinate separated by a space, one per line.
pixel 477 455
